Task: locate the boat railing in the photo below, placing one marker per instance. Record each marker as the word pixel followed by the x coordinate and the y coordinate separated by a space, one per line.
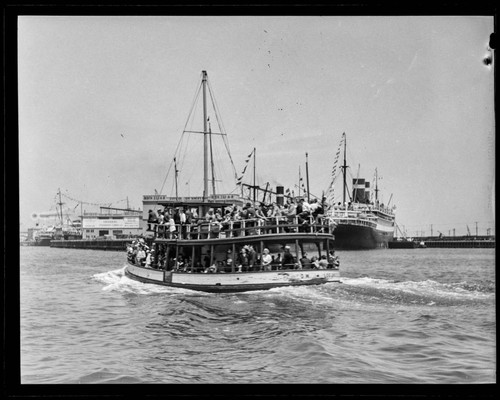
pixel 355 221
pixel 246 227
pixel 359 208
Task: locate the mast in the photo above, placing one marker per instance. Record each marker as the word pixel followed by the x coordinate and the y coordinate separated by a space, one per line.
pixel 176 179
pixel 212 160
pixel 344 168
pixel 60 207
pixel 205 136
pixel 254 191
pixel 300 182
pixel 307 180
pixel 376 187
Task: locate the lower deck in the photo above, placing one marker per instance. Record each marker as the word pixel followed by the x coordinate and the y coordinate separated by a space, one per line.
pixel 233 282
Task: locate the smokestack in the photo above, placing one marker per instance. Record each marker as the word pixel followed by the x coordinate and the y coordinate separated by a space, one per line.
pixel 279 195
pixel 358 190
pixel 367 192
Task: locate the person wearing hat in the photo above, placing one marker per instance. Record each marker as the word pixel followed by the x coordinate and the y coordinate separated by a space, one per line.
pixel 266 260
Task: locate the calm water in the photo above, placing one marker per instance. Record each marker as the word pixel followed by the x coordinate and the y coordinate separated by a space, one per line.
pixel 400 316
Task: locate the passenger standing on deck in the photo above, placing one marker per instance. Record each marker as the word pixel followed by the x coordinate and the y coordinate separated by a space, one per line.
pixel 171 225
pixel 261 216
pixel 152 219
pixel 182 222
pixel 141 255
pixel 266 260
pixel 252 255
pixel 210 216
pixel 243 260
pixel 148 259
pixel 313 206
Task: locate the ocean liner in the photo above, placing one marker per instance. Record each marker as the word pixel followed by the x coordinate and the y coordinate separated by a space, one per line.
pixel 362 221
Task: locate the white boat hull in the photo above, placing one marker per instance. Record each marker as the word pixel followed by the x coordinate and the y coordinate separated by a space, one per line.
pixel 232 282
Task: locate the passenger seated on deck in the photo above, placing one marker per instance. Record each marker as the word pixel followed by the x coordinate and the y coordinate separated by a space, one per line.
pixel 228 264
pixel 288 261
pixel 333 259
pixel 212 269
pixel 315 262
pixel 179 265
pixel 305 262
pixel 323 262
pixel 198 267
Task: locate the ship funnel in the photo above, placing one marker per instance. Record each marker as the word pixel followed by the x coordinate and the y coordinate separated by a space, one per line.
pixel 358 190
pixel 367 192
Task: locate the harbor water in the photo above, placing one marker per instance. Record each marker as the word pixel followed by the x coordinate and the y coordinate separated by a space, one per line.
pixel 410 316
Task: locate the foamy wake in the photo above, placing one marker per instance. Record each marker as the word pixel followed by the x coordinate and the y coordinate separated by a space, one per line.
pixel 420 288
pixel 116 280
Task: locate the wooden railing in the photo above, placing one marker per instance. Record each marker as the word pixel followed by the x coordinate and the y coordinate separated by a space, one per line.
pixel 247 227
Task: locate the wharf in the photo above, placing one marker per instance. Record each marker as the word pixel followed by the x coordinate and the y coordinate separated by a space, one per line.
pixel 108 244
pixel 478 242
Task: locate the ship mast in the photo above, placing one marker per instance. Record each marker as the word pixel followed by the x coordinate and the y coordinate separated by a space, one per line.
pixel 307 180
pixel 176 179
pixel 254 187
pixel 344 168
pixel 60 207
pixel 212 160
pixel 205 137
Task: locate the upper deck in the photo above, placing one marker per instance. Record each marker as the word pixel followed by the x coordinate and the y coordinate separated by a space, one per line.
pixel 234 230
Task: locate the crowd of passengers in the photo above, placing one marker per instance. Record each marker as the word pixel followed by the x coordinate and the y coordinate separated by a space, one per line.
pixel 246 260
pixel 173 222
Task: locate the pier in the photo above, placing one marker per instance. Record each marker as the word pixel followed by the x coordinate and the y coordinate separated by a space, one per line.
pixel 479 242
pixel 108 244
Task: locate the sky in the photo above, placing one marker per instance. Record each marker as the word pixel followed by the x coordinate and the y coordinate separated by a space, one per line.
pixel 103 102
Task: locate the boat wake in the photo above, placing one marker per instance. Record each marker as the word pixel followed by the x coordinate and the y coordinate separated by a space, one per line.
pixel 364 289
pixel 117 280
pixel 427 292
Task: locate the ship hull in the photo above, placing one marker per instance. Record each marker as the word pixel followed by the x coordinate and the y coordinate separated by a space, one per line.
pixel 358 237
pixel 39 242
pixel 232 282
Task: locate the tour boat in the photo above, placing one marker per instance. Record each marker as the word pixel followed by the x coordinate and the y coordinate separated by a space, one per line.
pixel 232 257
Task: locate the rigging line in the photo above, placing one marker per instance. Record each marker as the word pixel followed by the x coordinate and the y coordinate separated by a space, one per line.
pixel 181 152
pixel 193 104
pixel 195 100
pixel 185 152
pixel 221 126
